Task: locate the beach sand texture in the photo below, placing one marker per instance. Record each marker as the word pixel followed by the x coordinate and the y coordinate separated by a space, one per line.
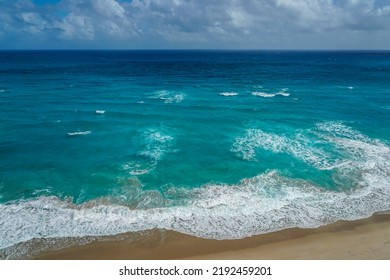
pixel 363 239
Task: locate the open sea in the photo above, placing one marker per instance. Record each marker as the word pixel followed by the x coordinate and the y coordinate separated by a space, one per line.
pixel 214 144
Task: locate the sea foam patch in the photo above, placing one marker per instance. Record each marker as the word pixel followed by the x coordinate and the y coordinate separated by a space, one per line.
pixel 283 92
pixel 299 146
pixel 139 167
pixel 228 94
pixel 386 107
pixel 168 96
pixel 263 94
pixel 76 133
pixel 155 142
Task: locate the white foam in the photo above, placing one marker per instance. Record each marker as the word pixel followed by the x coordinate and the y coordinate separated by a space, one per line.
pixel 138 168
pixel 227 94
pixel 263 94
pixel 386 107
pixel 157 142
pixel 168 96
pixel 299 147
pixel 100 111
pixel 265 203
pixel 79 133
pixel 283 92
pixel 358 147
pixel 347 87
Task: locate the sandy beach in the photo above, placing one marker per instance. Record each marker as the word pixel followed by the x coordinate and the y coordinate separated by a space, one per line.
pixel 363 239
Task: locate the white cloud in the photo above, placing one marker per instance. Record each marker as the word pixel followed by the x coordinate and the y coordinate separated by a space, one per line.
pixel 34 23
pixel 214 22
pixel 384 11
pixel 309 10
pixel 109 8
pixel 95 20
pixel 113 29
pixel 240 18
pixel 76 26
pixel 364 5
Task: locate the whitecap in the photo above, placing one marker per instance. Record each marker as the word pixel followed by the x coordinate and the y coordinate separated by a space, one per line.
pixel 157 142
pixel 346 87
pixel 228 94
pixel 283 92
pixel 386 107
pixel 100 111
pixel 138 168
pixel 310 146
pixel 79 133
pixel 168 96
pixel 299 147
pixel 263 94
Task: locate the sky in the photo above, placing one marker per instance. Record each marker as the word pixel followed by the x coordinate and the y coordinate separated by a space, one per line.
pixel 191 24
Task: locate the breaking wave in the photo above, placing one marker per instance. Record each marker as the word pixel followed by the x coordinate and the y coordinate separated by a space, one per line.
pixel 267 202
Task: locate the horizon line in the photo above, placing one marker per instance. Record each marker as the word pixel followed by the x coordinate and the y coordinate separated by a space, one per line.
pixel 202 49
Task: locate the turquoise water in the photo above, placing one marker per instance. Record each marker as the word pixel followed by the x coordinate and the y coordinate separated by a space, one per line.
pixel 216 144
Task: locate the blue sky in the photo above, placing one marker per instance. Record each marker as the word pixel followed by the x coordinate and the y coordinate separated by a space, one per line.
pixel 221 24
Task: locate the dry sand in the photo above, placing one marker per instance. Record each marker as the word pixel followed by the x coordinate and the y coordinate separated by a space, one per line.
pixel 363 239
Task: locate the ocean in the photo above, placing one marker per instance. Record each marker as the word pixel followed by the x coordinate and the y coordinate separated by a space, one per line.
pixel 214 144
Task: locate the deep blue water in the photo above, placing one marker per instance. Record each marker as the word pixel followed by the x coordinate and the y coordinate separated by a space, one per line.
pixel 217 144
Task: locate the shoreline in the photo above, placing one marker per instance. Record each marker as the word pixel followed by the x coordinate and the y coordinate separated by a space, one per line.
pixel 367 238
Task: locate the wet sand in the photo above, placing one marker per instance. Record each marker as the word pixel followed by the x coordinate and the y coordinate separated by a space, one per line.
pixel 363 239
